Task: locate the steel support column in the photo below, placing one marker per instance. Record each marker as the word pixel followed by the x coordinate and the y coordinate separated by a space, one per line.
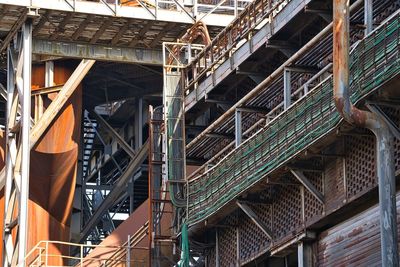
pixel 287 90
pixel 238 127
pixel 372 121
pixel 304 255
pixel 368 16
pixel 216 248
pixel 139 123
pixel 18 147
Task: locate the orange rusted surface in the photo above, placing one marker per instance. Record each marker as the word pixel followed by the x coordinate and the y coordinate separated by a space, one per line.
pixel 135 3
pixel 132 226
pixel 119 237
pixel 2 163
pixel 53 166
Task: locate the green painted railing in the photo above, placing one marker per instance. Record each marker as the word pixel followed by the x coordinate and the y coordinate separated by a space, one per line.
pixel 374 60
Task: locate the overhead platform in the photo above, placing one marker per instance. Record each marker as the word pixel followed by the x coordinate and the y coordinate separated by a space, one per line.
pixel 90 29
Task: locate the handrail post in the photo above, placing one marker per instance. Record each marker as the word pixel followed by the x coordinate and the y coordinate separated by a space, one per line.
pixel 81 254
pixel 46 253
pixel 128 252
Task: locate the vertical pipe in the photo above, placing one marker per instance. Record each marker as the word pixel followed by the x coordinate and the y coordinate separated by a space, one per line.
pixel 26 123
pixel 46 254
pixel 150 184
pixel 216 248
pixel 368 16
pixel 238 127
pixel 80 255
pixel 287 91
pixel 361 118
pixel 139 124
pixel 237 247
pixel 300 255
pixel 236 12
pixel 387 196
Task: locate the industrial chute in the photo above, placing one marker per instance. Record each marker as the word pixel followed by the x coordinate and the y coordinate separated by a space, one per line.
pixel 174 117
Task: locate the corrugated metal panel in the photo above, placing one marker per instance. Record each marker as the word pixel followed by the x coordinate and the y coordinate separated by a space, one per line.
pixel 355 242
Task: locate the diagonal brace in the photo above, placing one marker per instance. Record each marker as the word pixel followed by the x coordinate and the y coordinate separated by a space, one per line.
pixel 55 107
pixel 114 134
pixel 374 108
pixel 249 212
pixel 307 184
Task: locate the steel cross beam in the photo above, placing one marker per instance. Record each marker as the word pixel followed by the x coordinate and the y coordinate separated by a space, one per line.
pixel 118 189
pixel 97 52
pixel 102 8
pixel 57 104
pixel 17 150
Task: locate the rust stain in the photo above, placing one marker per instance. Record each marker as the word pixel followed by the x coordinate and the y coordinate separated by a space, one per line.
pixel 52 169
pixel 356 232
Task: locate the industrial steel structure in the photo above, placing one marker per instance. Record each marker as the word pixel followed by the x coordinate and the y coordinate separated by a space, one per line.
pixel 199 132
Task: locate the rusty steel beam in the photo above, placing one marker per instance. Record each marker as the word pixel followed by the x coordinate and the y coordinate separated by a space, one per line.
pixel 118 189
pixel 54 108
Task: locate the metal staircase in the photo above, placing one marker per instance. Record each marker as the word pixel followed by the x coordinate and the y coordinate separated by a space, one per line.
pixel 89 134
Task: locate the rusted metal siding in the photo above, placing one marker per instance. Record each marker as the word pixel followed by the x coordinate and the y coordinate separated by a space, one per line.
pixel 355 242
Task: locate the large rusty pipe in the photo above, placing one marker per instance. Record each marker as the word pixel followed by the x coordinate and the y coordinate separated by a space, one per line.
pixel 361 118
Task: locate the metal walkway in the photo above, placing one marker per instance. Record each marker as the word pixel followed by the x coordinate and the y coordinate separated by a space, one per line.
pixel 374 61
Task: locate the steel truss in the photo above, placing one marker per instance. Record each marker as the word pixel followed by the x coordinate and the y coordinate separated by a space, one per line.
pixel 18 146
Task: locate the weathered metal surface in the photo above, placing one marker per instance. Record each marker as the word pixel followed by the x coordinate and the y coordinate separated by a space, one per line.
pixel 208 69
pixel 137 227
pixel 384 137
pixel 53 166
pixel 97 52
pixel 173 13
pixel 354 242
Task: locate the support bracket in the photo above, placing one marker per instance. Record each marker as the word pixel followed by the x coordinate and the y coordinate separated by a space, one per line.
pixel 249 212
pixel 307 184
pixel 374 108
pixel 114 134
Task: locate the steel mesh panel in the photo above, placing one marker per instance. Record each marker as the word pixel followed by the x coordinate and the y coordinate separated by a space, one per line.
pixel 360 177
pixel 286 210
pixel 252 239
pixel 227 242
pixel 312 207
pixel 334 184
pixel 211 258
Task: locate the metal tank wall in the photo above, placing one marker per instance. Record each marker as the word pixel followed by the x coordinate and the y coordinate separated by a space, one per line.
pixel 53 166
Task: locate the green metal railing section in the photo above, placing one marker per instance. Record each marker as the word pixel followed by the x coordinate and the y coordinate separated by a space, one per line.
pixel 374 60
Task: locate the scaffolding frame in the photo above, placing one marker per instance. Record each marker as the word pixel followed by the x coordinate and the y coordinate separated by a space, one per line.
pixel 19 61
